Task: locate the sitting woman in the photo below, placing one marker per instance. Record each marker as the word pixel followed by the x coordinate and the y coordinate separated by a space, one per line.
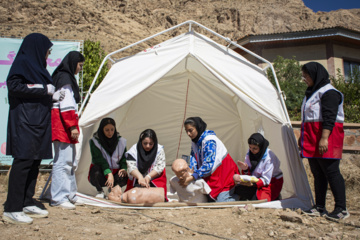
pixel 146 162
pixel 264 168
pixel 108 149
pixel 210 160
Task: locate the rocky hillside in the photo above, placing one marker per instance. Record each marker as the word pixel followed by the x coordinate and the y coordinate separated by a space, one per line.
pixel 117 23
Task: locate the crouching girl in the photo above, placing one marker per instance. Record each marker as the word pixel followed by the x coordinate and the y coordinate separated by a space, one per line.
pixel 262 177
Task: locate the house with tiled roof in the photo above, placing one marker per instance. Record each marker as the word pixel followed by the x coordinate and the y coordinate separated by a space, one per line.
pixel 335 48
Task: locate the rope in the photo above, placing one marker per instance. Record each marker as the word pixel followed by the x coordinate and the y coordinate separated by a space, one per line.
pixel 176 224
pixel 182 125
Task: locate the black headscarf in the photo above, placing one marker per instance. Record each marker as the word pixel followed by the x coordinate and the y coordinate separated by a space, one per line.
pixel 199 124
pixel 30 62
pixel 146 159
pixel 109 144
pixel 65 73
pixel 262 143
pixel 318 74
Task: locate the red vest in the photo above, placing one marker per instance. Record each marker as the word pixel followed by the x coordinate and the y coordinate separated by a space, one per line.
pixel 311 127
pixel 221 179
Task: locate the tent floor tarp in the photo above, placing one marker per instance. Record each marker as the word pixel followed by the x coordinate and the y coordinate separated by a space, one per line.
pixel 165 205
pixel 279 204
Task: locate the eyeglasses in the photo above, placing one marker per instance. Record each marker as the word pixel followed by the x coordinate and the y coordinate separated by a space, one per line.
pixel 304 76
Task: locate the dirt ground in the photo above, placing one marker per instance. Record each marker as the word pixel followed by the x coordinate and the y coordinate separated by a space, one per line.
pixel 89 222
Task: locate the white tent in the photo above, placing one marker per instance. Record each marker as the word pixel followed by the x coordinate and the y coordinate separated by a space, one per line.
pixel 191 75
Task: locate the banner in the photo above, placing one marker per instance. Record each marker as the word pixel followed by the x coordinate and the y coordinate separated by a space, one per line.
pixel 8 51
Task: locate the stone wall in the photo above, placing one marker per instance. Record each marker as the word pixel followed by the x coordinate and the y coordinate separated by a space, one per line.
pixel 351 139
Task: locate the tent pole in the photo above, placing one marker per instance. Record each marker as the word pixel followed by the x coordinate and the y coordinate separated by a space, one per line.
pixel 120 50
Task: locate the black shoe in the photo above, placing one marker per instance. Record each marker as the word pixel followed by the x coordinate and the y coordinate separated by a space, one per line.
pixel 338 214
pixel 316 211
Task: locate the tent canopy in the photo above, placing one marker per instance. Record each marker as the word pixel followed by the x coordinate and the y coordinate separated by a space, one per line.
pixel 191 75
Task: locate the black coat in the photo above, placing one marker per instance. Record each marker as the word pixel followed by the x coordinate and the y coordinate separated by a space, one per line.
pixel 29 123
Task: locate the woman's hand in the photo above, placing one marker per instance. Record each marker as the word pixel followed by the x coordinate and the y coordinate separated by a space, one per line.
pixel 147 180
pixel 237 178
pixel 110 180
pixel 186 181
pixel 323 143
pixel 242 165
pixel 122 173
pixel 143 182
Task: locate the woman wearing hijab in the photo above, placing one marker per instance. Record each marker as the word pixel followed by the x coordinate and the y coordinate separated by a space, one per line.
pixel 321 139
pixel 264 168
pixel 108 150
pixel 29 126
pixel 65 132
pixel 146 163
pixel 210 160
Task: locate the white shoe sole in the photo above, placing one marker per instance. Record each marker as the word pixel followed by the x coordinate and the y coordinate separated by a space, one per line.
pixel 10 220
pixel 66 207
pixel 338 219
pixel 34 215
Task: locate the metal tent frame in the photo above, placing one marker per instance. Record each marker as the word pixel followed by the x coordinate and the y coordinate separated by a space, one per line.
pixel 190 23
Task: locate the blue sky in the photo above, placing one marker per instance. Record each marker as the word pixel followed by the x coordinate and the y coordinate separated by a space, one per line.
pixel 329 5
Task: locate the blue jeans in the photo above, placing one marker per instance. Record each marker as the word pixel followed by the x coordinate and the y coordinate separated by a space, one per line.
pixel 63 183
pixel 227 196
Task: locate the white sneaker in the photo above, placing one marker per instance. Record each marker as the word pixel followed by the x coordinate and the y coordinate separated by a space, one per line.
pixel 100 195
pixel 17 218
pixel 67 205
pixel 35 212
pixel 79 202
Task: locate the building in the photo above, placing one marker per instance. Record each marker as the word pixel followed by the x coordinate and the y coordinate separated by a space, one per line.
pixel 335 48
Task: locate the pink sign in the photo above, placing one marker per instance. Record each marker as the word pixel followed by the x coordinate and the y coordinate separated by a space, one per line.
pixel 11 56
pixel 3 148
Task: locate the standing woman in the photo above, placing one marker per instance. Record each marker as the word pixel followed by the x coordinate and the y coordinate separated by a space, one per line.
pixel 210 160
pixel 29 126
pixel 146 162
pixel 321 139
pixel 108 150
pixel 65 131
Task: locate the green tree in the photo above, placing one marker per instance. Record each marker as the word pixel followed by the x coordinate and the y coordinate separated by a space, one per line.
pixel 94 55
pixel 351 90
pixel 288 72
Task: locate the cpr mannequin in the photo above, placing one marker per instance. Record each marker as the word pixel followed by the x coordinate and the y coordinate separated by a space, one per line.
pixel 137 195
pixel 195 192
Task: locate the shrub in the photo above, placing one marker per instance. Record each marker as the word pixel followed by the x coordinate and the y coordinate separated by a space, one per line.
pixel 288 72
pixel 94 55
pixel 351 91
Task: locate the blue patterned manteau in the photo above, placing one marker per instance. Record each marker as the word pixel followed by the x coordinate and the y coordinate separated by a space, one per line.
pixel 203 159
